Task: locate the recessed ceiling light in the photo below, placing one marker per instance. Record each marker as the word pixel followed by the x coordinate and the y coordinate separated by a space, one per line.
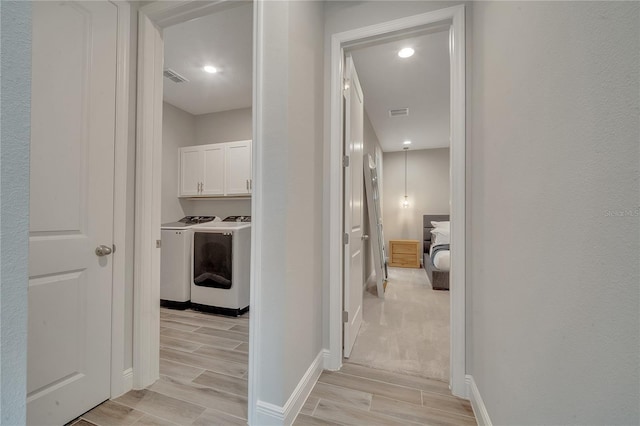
pixel 407 142
pixel 210 69
pixel 406 52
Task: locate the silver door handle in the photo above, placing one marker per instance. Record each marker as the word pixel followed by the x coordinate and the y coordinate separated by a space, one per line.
pixel 247 182
pixel 199 186
pixel 103 250
pixel 364 237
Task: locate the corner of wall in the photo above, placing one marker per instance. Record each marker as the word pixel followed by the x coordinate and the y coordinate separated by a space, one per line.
pixel 271 414
pixel 479 409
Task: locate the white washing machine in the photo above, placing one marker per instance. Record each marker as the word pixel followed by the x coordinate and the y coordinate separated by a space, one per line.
pixel 175 261
pixel 221 260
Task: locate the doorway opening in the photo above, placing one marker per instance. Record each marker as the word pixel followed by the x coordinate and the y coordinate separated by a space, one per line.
pixel 208 181
pixel 450 22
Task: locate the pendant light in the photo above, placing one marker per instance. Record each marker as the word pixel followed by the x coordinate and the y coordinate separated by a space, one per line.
pixel 405 203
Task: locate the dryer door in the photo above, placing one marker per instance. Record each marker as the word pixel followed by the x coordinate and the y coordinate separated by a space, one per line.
pixel 212 259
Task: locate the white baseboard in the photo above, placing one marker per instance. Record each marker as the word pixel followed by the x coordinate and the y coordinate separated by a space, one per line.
pixel 479 409
pixel 271 414
pixel 127 380
pixel 326 361
pixel 371 280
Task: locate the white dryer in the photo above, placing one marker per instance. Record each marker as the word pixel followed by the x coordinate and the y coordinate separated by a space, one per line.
pixel 221 257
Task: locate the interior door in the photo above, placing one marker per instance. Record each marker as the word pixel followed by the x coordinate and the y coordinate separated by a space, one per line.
pixel 353 200
pixel 71 208
pixel 239 168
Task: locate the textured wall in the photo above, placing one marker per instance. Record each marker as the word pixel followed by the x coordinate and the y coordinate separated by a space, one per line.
pixel 15 131
pixel 178 130
pixel 553 273
pixel 427 190
pixel 224 126
pixel 291 179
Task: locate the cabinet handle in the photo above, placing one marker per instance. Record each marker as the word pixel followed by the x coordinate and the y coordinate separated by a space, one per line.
pixel 247 182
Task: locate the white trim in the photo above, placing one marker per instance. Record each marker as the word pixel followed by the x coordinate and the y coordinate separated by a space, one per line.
pixel 127 381
pixel 255 288
pixel 455 15
pixel 146 309
pixel 271 414
pixel 479 409
pixel 326 360
pixel 152 18
pixel 118 385
pixel 458 215
pixel 371 280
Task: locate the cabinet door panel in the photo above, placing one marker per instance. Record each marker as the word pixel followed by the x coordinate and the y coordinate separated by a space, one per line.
pixel 191 168
pixel 213 176
pixel 238 176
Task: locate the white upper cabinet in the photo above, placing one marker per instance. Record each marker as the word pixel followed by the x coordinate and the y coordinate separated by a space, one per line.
pixel 213 173
pixel 192 167
pixel 238 176
pixel 216 170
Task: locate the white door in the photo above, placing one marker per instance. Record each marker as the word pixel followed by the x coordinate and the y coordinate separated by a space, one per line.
pixel 353 200
pixel 238 168
pixel 213 173
pixel 191 169
pixel 71 209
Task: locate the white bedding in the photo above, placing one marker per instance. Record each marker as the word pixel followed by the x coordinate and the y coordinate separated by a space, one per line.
pixel 442 261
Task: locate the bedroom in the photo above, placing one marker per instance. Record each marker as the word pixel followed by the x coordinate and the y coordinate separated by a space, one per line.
pixel 406 133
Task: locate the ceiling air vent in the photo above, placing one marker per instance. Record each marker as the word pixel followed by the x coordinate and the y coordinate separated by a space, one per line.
pixel 399 112
pixel 174 76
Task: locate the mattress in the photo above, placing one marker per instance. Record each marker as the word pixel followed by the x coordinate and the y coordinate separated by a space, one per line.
pixel 442 260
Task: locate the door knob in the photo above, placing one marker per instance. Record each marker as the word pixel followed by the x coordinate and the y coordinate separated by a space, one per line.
pixel 364 237
pixel 103 250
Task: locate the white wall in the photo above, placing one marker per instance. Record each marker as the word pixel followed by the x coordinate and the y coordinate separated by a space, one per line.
pixel 224 126
pixel 290 325
pixel 427 190
pixel 15 63
pixel 218 127
pixel 178 130
pixel 553 281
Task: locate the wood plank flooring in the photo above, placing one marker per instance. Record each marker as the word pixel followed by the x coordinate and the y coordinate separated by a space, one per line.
pixel 203 376
pixel 203 381
pixel 358 395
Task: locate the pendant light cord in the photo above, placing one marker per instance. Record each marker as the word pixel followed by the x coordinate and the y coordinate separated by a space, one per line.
pixel 405 172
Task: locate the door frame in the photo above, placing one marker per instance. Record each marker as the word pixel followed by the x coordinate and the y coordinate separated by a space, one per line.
pixel 120 378
pixel 152 18
pixel 455 16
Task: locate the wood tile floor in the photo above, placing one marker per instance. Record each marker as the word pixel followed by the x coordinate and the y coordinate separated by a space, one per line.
pixel 203 376
pixel 358 395
pixel 203 381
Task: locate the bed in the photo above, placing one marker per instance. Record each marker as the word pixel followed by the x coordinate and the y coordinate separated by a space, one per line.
pixel 438 267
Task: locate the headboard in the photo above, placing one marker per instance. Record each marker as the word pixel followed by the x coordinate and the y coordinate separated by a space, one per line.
pixel 427 227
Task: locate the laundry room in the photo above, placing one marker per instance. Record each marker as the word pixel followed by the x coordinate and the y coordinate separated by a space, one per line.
pixel 206 208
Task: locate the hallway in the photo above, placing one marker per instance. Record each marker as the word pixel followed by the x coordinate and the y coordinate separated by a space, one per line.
pixel 359 395
pixel 407 331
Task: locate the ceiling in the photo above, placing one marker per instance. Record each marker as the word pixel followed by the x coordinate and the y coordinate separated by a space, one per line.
pixel 223 40
pixel 420 83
